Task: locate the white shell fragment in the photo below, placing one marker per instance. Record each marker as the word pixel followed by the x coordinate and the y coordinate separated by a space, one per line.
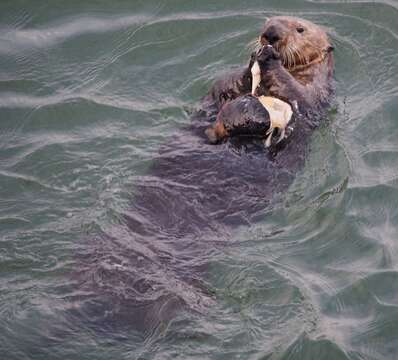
pixel 256 76
pixel 280 114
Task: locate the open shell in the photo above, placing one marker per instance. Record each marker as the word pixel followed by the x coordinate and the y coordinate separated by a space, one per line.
pixel 280 114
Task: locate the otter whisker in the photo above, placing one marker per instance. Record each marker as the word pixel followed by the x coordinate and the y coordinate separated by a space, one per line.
pixel 284 57
pixel 296 54
pixel 290 50
pixel 290 56
pixel 289 53
pixel 305 58
pixel 299 56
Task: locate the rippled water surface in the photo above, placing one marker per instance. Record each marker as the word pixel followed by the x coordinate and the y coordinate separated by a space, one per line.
pixel 118 237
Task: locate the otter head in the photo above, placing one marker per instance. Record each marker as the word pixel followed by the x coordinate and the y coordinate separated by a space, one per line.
pixel 299 42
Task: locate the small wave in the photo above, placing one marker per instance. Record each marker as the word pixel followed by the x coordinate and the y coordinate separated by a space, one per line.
pixel 19 39
pixel 391 3
pixel 29 179
pixel 24 101
pixel 45 37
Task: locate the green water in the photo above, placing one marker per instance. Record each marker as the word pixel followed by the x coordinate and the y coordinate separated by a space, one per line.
pixel 89 93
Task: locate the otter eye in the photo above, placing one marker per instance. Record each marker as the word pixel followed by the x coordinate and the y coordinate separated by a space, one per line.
pixel 300 29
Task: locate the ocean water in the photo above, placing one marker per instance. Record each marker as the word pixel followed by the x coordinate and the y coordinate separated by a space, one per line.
pixel 91 95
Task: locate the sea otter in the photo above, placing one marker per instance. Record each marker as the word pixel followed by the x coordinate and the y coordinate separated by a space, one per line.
pixel 195 194
pixel 303 72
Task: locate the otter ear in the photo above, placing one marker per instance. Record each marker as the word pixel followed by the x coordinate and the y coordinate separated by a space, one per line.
pixel 330 48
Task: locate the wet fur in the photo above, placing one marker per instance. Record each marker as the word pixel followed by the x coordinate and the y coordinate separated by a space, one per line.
pixel 303 73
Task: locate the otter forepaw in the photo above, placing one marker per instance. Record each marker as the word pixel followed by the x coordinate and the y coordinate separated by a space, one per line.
pixel 267 55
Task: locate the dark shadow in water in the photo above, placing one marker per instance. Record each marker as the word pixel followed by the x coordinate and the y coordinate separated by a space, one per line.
pixel 191 199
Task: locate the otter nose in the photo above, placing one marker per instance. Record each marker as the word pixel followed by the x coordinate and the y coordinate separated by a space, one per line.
pixel 272 35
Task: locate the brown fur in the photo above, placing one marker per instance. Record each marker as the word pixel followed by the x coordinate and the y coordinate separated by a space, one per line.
pixel 302 75
pixel 300 51
pixel 306 62
pixel 217 132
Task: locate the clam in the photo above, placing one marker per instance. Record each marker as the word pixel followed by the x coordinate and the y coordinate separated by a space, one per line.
pixel 280 114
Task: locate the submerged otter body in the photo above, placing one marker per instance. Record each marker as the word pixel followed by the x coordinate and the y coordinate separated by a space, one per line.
pixel 195 194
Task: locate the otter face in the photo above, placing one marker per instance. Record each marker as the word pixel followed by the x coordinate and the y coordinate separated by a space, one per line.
pixel 298 41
